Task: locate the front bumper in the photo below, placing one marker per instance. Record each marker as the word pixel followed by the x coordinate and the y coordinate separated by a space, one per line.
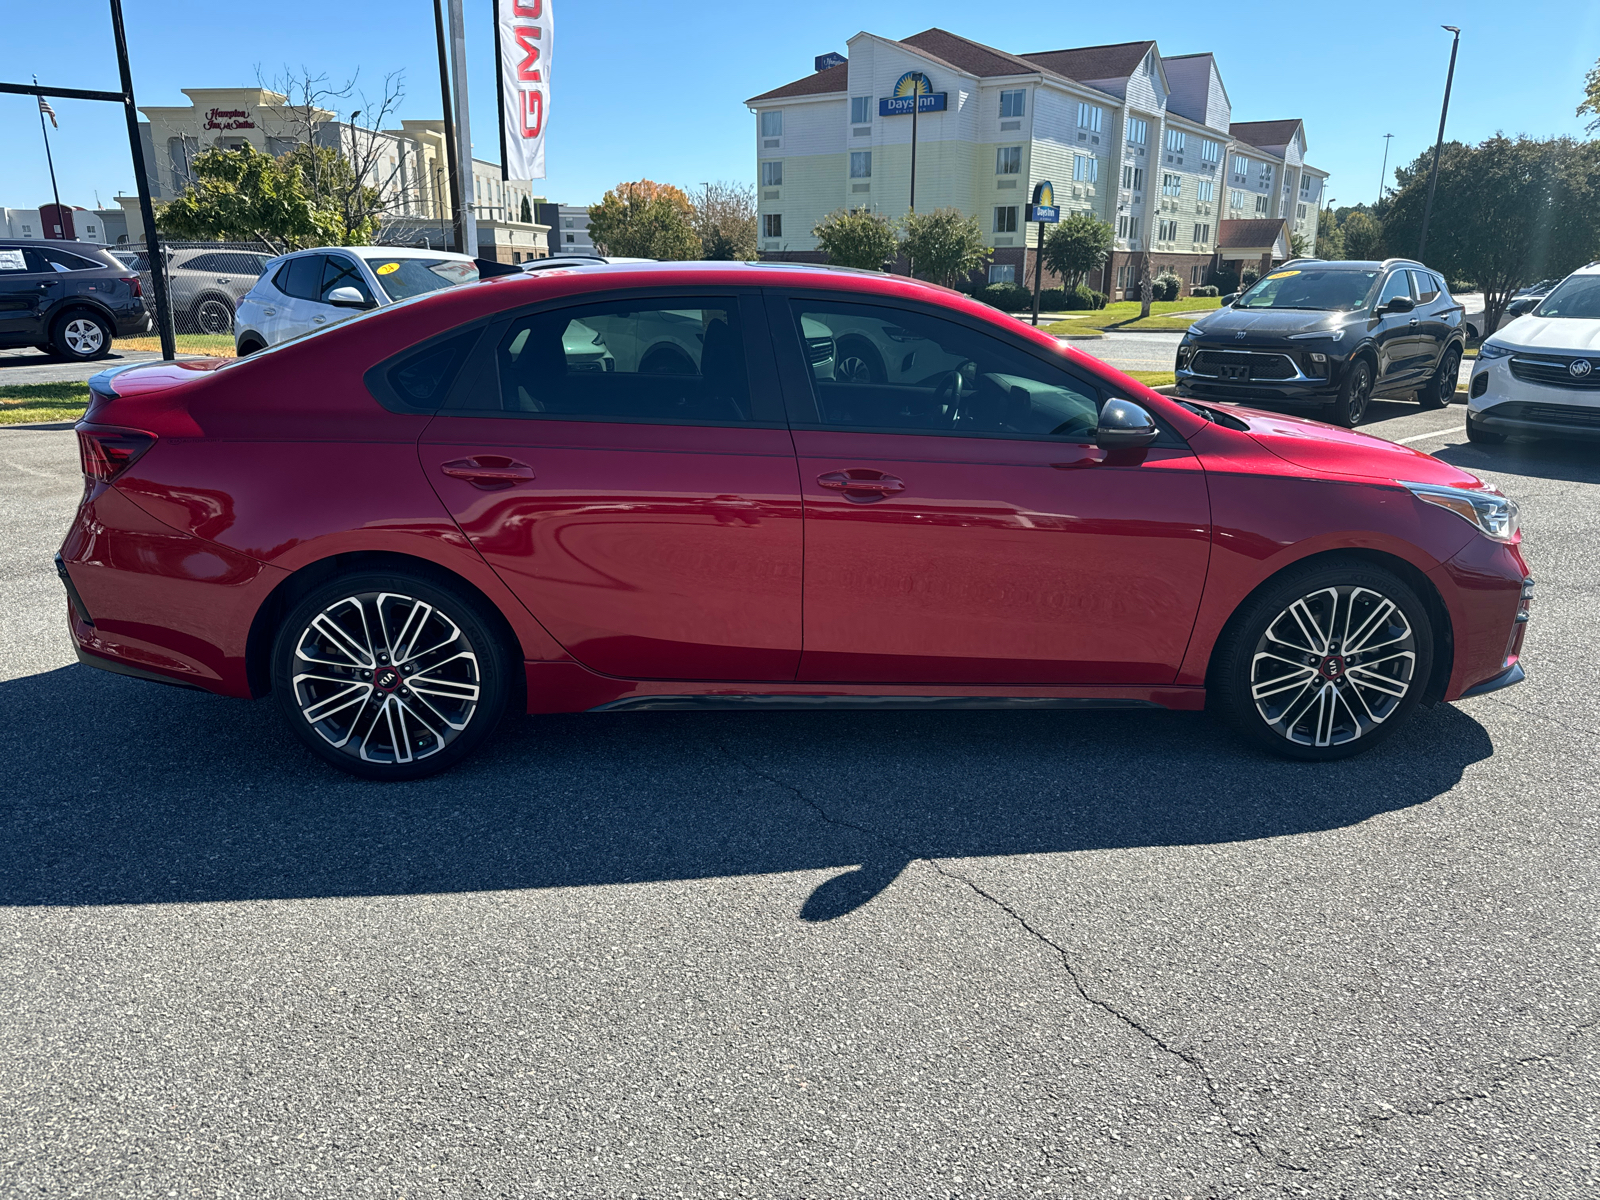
pixel 1202 387
pixel 1499 402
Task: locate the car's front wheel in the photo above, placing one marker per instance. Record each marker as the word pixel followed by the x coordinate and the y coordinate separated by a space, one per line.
pixel 1325 662
pixel 213 315
pixel 1354 393
pixel 1441 389
pixel 389 676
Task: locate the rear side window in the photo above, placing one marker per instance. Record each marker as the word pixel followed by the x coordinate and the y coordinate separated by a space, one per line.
pixel 677 361
pixel 200 262
pixel 60 260
pixel 1427 286
pixel 301 277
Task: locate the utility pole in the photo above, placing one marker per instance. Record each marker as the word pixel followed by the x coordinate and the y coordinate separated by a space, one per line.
pixel 1383 175
pixel 458 70
pixel 451 160
pixel 1438 145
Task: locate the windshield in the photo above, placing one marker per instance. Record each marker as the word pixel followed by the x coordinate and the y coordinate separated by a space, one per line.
pixel 402 278
pixel 1574 296
pixel 1335 291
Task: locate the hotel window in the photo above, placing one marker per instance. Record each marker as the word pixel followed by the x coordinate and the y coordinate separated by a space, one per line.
pixel 772 173
pixel 1261 205
pixel 1205 191
pixel 1012 103
pixel 1138 131
pixel 1169 232
pixel 1235 198
pixel 1171 185
pixel 861 164
pixel 1197 275
pixel 860 110
pixel 1124 226
pixel 1089 117
pixel 772 123
pixel 772 225
pixel 1300 214
pixel 1085 169
pixel 1175 141
pixel 1266 174
pixel 1008 160
pixel 1202 233
pixel 1005 219
pixel 1210 151
pixel 1124 276
pixel 1241 166
pixel 1002 273
pixel 1133 178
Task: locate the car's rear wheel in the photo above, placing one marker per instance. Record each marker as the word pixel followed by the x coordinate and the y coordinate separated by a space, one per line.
pixel 1441 389
pixel 81 336
pixel 389 676
pixel 1325 662
pixel 1354 393
pixel 248 347
pixel 1484 437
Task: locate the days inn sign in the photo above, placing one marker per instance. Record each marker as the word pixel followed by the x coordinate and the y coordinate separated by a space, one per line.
pixel 911 88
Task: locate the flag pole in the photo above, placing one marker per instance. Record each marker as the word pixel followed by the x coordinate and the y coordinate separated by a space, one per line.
pixel 54 191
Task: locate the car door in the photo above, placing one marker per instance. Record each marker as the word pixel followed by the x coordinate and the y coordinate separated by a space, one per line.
pixel 29 289
pixel 299 286
pixel 1396 335
pixel 961 527
pixel 641 501
pixel 338 271
pixel 1436 317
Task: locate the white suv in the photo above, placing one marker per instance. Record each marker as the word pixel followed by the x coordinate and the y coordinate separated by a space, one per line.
pixel 1540 374
pixel 312 289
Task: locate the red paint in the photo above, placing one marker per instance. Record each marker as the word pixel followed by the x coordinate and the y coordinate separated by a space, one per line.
pixel 634 560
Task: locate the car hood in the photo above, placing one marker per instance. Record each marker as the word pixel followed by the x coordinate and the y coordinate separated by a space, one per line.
pixel 1329 449
pixel 1269 322
pixel 1576 335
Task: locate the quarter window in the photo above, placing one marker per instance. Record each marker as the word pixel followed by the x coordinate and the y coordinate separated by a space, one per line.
pixel 1008 160
pixel 904 371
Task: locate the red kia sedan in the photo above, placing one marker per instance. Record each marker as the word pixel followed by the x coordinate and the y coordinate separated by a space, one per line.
pixel 718 485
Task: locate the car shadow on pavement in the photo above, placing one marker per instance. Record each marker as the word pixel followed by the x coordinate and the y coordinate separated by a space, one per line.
pixel 123 792
pixel 1568 462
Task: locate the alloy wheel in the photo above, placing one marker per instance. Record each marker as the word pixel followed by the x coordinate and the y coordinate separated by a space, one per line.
pixel 853 368
pixel 1360 393
pixel 1333 666
pixel 385 677
pixel 83 336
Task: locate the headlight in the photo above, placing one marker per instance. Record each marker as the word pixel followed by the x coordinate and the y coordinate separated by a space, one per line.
pixel 1494 515
pixel 1331 335
pixel 1492 350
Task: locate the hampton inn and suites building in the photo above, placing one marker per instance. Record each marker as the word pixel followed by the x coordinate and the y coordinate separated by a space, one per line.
pixel 1143 141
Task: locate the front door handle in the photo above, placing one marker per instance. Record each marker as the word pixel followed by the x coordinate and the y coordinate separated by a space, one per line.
pixel 491 472
pixel 318 320
pixel 271 312
pixel 1413 321
pixel 862 484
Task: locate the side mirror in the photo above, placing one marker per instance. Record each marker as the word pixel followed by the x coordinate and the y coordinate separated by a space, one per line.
pixel 1229 299
pixel 1123 424
pixel 1400 304
pixel 348 297
pixel 1526 304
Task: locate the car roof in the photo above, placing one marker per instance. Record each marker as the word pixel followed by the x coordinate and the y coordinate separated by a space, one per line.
pixel 378 252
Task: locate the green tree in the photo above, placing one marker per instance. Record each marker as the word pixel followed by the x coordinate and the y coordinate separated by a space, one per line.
pixel 1298 247
pixel 944 245
pixel 349 208
pixel 725 222
pixel 244 195
pixel 1330 238
pixel 645 220
pixel 1076 246
pixel 1506 212
pixel 857 238
pixel 1363 237
pixel 1591 98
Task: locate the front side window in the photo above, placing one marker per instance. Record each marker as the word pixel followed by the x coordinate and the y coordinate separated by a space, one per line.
pixel 772 123
pixel 1008 160
pixel 904 371
pixel 772 173
pixel 1329 291
pixel 1576 296
pixel 1398 284
pixel 662 361
pixel 860 110
pixel 1138 131
pixel 1005 219
pixel 403 277
pixel 861 164
pixel 1011 103
pixel 339 272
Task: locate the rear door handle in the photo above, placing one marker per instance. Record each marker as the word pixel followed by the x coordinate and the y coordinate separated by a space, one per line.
pixel 271 312
pixel 318 320
pixel 861 483
pixel 491 472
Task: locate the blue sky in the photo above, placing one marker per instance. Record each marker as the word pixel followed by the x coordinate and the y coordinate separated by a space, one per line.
pixel 645 90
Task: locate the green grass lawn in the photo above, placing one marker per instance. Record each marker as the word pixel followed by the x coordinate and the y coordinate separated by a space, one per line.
pixel 1124 316
pixel 1153 378
pixel 212 345
pixel 24 403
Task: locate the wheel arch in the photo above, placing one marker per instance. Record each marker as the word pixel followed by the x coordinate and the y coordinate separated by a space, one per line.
pixel 290 590
pixel 1414 577
pixel 82 303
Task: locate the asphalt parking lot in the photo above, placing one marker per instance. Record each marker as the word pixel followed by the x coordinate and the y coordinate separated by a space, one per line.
pixel 797 954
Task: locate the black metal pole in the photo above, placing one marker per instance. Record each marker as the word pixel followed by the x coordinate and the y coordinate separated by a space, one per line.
pixel 1038 271
pixel 1438 145
pixel 452 172
pixel 1383 175
pixel 51 163
pixel 147 212
pixel 916 103
pixel 500 99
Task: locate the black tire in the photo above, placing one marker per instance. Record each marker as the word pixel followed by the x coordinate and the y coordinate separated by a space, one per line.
pixel 858 361
pixel 1263 682
pixel 81 335
pixel 1441 389
pixel 1355 393
pixel 213 315
pixel 1483 437
pixel 248 347
pixel 355 709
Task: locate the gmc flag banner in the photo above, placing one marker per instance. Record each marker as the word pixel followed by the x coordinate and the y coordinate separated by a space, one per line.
pixel 525 28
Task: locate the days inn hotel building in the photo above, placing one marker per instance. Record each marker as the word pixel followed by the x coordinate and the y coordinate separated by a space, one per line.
pixel 1145 142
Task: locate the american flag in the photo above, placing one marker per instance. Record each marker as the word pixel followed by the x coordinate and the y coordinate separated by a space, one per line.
pixel 44 107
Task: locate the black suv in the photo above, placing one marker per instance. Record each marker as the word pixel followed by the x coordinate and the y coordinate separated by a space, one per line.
pixel 1330 334
pixel 68 298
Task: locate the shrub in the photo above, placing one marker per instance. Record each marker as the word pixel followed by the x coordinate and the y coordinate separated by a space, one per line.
pixel 1007 297
pixel 1248 278
pixel 1166 286
pixel 1053 300
pixel 1205 290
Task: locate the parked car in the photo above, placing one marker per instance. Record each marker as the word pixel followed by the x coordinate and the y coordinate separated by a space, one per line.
pixel 311 289
pixel 1329 335
pixel 404 524
pixel 575 260
pixel 205 284
pixel 1540 375
pixel 70 299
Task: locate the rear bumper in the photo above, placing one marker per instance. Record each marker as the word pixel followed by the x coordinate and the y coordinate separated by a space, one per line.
pixel 1507 678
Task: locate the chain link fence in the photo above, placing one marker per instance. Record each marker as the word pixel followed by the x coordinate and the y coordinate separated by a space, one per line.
pixel 205 280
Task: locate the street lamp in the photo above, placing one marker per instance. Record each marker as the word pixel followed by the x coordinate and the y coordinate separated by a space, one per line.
pixel 1438 145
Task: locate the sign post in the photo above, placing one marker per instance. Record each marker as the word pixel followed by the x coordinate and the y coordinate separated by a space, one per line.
pixel 1043 210
pixel 912 93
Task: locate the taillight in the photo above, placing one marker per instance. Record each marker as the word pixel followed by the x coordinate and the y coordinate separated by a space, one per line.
pixel 106 453
pixel 134 285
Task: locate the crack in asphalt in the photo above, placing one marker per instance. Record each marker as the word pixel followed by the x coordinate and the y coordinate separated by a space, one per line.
pixel 1528 712
pixel 1193 1061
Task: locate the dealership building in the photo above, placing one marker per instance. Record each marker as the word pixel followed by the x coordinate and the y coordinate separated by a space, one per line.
pixel 1143 141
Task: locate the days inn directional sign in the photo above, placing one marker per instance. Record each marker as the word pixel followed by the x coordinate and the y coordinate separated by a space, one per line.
pixel 1044 206
pixel 908 90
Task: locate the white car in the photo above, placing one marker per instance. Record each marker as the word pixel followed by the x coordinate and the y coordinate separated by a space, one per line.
pixel 1540 375
pixel 312 289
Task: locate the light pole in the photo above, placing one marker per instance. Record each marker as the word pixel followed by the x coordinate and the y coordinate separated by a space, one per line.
pixel 1383 175
pixel 918 82
pixel 1438 145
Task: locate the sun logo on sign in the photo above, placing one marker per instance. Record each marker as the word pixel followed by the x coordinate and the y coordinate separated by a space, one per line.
pixel 910 84
pixel 1047 195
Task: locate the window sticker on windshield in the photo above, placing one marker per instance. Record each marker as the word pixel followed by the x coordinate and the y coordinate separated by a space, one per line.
pixel 12 260
pixel 388 268
pixel 1282 274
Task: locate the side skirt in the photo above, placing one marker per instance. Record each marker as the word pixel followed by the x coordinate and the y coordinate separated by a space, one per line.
pixel 812 703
